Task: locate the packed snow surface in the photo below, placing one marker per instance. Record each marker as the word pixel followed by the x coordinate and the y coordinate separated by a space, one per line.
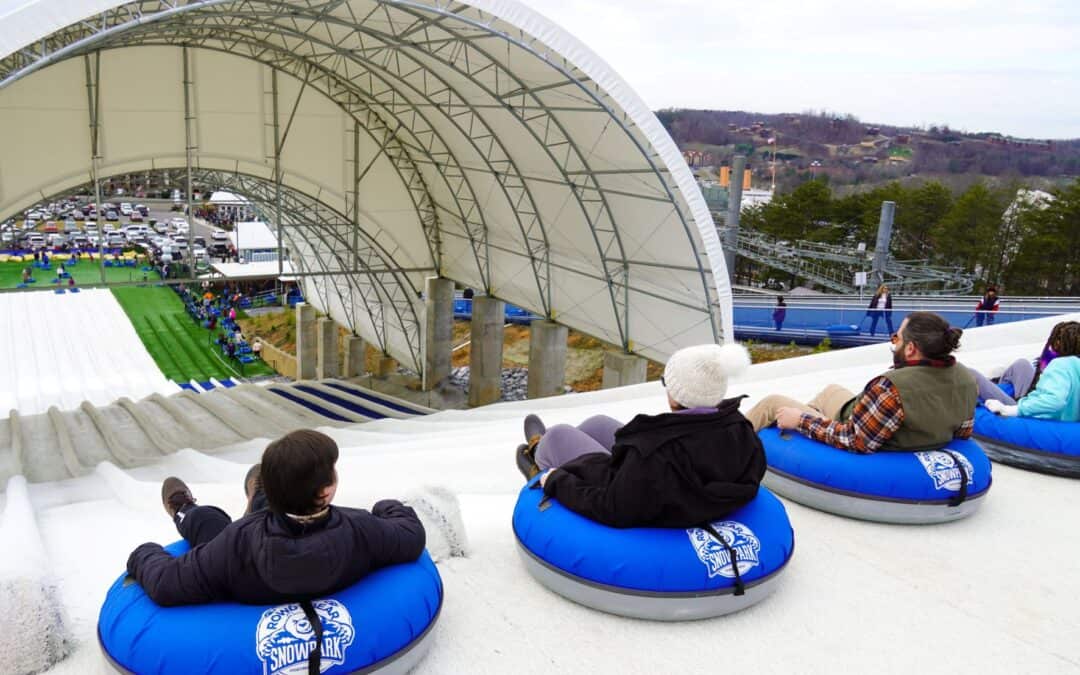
pixel 995 593
pixel 63 349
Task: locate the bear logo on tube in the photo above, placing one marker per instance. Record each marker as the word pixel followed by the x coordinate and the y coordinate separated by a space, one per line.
pixel 943 470
pixel 285 638
pixel 714 555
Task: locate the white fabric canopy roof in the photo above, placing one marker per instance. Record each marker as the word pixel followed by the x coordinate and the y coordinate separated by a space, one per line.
pixel 252 235
pixel 222 197
pixel 478 142
pixel 253 270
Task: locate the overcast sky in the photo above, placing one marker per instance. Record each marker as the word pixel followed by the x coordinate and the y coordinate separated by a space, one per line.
pixel 987 65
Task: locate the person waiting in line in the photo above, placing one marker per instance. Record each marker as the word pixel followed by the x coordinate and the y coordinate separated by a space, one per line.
pixel 987 307
pixel 26 275
pixel 230 349
pixel 779 313
pixel 922 402
pixel 1056 394
pixel 291 545
pixel 880 307
pixel 692 465
pixel 256 346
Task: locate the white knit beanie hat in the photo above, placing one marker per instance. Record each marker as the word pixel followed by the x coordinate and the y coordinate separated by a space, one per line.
pixel 697 377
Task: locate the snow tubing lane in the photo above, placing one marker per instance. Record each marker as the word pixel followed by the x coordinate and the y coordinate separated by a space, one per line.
pixel 382 624
pixel 1046 446
pixel 913 488
pixel 654 573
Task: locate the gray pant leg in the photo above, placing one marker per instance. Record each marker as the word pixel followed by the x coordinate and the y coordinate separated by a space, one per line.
pixel 1021 373
pixel 602 429
pixel 989 391
pixel 563 443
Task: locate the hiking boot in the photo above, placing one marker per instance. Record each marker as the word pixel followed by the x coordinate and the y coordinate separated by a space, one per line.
pixel 252 486
pixel 175 496
pixel 524 457
pixel 533 427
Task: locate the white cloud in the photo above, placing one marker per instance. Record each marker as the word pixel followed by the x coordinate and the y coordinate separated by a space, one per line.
pixel 975 65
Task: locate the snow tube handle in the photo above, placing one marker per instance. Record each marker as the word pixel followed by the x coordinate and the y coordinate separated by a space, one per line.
pixel 961 496
pixel 315 657
pixel 740 587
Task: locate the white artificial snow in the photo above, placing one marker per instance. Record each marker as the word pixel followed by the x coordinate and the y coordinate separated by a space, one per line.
pixel 61 350
pixel 994 593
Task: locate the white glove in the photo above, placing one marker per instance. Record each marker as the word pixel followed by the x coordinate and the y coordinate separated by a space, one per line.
pixel 1000 408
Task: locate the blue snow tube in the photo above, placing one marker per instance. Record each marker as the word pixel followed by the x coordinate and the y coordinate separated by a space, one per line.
pixel 917 487
pixel 382 624
pixel 653 573
pixel 1046 446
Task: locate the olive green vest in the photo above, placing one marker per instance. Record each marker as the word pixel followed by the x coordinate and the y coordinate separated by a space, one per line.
pixel 936 402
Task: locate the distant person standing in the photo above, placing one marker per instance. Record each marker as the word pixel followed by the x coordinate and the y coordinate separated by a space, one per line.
pixel 987 307
pixel 880 306
pixel 780 313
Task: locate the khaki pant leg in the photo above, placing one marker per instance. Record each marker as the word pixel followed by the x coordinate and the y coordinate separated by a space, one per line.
pixel 764 413
pixel 830 400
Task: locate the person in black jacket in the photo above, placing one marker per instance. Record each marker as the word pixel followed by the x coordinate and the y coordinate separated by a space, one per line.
pixel 679 469
pixel 880 306
pixel 291 546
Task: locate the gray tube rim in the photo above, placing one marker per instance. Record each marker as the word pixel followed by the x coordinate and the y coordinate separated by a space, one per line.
pixel 874 510
pixel 1032 459
pixel 398 663
pixel 648 605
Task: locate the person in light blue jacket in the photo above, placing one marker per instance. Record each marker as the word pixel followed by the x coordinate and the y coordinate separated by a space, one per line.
pixel 1057 394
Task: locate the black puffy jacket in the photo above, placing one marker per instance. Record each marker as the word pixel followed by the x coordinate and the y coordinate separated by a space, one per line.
pixel 669 470
pixel 267 558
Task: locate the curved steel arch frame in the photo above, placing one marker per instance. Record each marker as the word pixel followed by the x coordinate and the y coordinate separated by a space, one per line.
pixel 363 267
pixel 391 51
pixel 364 273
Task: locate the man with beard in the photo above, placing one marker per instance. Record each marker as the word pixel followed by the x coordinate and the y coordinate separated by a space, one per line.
pixel 921 403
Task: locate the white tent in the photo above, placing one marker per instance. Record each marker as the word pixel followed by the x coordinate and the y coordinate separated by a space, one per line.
pixel 393 141
pixel 252 236
pixel 254 270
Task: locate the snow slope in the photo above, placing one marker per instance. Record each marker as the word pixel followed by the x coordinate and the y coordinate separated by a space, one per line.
pixel 996 593
pixel 62 349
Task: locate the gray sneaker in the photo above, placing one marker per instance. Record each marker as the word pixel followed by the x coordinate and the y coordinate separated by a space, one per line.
pixel 534 426
pixel 523 456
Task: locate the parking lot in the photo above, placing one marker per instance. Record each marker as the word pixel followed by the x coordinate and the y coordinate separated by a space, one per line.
pixel 153 227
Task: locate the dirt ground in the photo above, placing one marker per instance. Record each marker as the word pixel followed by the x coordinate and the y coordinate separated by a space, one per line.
pixel 584 354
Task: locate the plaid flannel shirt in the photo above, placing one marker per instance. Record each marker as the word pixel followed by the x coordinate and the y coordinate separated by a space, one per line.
pixel 875 418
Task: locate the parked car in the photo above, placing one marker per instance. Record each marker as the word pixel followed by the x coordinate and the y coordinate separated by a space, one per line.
pixel 219 235
pixel 50 227
pixel 112 215
pixel 143 209
pixel 115 239
pixel 135 216
pixel 71 226
pixel 125 208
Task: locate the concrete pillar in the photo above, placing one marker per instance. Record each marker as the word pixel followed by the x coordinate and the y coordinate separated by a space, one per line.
pixel 306 351
pixel 328 364
pixel 621 369
pixel 439 331
pixel 547 358
pixel 884 240
pixel 485 356
pixel 385 367
pixel 354 356
pixel 734 208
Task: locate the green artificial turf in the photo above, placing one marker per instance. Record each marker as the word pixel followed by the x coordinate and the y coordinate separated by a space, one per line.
pixel 182 349
pixel 84 272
